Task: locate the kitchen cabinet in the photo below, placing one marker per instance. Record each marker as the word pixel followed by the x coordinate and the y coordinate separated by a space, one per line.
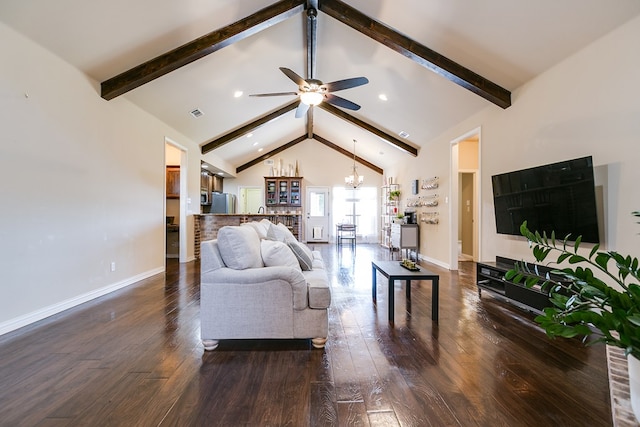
pixel 173 182
pixel 283 192
pixel 205 181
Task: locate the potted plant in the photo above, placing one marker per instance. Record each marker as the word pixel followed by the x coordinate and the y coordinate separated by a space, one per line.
pixel 596 295
pixel 394 195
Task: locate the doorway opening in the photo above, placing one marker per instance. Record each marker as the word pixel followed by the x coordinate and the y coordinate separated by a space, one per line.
pixel 464 195
pixel 251 200
pixel 175 196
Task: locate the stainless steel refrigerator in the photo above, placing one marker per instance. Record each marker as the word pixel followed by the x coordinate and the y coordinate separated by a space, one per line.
pixel 223 203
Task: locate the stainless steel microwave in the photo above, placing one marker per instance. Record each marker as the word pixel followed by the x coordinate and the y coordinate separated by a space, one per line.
pixel 204 198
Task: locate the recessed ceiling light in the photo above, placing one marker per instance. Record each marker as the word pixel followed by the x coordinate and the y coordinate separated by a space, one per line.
pixel 260 150
pixel 403 134
pixel 249 135
pixel 196 113
pixel 237 94
pixel 220 173
pixel 383 97
pixel 205 166
pixel 255 143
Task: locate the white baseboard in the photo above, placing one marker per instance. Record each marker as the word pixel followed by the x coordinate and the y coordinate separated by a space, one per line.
pixel 435 261
pixel 27 319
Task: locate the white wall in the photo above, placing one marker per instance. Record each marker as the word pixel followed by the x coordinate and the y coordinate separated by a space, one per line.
pixel 82 186
pixel 587 105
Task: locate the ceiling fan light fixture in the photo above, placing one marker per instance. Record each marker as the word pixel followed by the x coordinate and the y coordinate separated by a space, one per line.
pixel 311 98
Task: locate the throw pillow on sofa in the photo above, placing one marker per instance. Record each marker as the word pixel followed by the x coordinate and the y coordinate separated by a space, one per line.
pixel 279 232
pixel 259 228
pixel 275 253
pixel 239 247
pixel 302 253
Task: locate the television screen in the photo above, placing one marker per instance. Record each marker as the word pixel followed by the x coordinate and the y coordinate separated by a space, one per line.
pixel 557 197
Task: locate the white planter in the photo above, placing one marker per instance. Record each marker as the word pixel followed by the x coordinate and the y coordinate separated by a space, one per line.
pixel 634 384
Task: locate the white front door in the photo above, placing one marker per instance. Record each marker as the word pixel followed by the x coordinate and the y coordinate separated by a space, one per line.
pixel 317 206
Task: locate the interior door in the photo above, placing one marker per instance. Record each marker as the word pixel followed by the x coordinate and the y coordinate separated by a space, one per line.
pixel 251 200
pixel 317 223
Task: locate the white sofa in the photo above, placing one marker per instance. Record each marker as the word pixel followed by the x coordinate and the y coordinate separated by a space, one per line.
pixel 257 281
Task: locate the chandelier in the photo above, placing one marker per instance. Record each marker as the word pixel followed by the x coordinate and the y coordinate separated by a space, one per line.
pixel 354 180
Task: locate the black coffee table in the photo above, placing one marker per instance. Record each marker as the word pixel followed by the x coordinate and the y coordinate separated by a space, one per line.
pixel 393 271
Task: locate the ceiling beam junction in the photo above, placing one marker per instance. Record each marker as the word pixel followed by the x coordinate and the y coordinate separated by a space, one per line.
pixel 417 52
pixel 200 47
pixel 348 154
pixel 249 127
pixel 370 128
pixel 298 140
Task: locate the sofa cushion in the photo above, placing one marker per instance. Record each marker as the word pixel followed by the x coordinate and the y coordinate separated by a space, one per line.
pixel 259 227
pixel 280 232
pixel 286 232
pixel 239 247
pixel 276 254
pixel 318 288
pixel 210 256
pixel 302 253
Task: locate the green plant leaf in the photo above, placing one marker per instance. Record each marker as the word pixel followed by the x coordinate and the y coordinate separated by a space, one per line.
pixel 594 250
pixel 574 259
pixel 602 259
pixel 635 319
pixel 576 245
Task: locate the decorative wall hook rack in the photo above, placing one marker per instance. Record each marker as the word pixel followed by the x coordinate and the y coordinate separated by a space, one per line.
pixel 430 217
pixel 431 183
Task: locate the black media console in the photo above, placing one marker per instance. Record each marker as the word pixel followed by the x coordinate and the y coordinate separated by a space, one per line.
pixel 490 277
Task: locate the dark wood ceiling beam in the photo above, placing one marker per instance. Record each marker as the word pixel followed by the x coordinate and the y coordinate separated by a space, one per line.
pixel 312 26
pixel 348 153
pixel 417 52
pixel 200 47
pixel 310 122
pixel 271 154
pixel 370 128
pixel 230 136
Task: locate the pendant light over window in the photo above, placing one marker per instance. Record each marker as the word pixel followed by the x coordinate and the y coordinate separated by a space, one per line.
pixel 354 180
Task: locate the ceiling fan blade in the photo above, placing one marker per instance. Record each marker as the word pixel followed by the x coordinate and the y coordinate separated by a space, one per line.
pixel 301 110
pixel 274 94
pixel 293 76
pixel 346 84
pixel 341 102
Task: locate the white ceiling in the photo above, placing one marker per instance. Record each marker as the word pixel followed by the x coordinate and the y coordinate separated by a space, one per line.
pixel 508 42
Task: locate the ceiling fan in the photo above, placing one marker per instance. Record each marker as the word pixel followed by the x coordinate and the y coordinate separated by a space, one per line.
pixel 313 92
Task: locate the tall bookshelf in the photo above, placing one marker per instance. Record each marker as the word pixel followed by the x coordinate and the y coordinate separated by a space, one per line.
pixel 388 210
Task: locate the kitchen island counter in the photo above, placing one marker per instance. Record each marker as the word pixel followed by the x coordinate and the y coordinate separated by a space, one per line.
pixel 207 224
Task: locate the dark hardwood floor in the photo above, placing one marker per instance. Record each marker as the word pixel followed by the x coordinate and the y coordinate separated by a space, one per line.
pixel 134 358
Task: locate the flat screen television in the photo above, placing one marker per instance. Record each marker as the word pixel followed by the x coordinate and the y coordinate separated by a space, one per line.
pixel 557 197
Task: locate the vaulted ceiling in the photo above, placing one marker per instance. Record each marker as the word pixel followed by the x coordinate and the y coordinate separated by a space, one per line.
pixel 205 52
